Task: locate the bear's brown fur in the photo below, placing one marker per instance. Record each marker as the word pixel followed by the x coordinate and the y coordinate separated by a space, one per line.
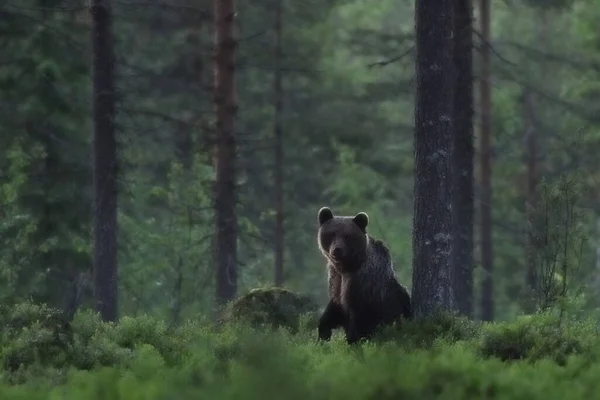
pixel 364 292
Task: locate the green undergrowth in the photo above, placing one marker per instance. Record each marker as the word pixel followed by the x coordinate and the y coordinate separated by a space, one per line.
pixel 534 357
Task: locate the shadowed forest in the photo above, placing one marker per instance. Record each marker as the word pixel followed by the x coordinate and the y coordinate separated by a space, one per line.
pixel 163 164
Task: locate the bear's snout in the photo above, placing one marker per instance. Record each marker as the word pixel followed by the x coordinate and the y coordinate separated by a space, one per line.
pixel 337 253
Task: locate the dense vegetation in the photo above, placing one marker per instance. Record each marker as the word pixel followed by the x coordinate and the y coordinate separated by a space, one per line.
pixel 538 357
pixel 347 122
pixel 347 101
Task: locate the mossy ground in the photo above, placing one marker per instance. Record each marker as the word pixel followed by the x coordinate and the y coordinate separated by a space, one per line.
pixel 538 357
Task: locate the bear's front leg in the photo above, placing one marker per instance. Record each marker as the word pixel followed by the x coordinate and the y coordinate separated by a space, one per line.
pixel 352 333
pixel 332 317
pixel 358 328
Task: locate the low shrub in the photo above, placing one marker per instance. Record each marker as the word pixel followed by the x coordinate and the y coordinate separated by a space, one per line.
pixel 34 334
pixel 443 357
pixel 535 337
pixel 424 332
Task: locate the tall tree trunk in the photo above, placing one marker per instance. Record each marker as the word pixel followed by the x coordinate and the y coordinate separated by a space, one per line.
pixel 531 162
pixel 225 188
pixel 462 158
pixel 278 92
pixel 596 284
pixel 487 258
pixel 184 144
pixel 531 195
pixel 177 301
pixel 432 239
pixel 105 163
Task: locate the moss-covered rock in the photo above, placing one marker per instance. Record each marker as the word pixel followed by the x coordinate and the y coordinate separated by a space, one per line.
pixel 271 307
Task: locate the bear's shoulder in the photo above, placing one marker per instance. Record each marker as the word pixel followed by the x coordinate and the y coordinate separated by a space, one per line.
pixel 378 245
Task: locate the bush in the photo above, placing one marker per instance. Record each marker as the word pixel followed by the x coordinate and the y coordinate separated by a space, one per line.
pixel 34 334
pixel 37 338
pixel 536 337
pixel 424 332
pixel 444 357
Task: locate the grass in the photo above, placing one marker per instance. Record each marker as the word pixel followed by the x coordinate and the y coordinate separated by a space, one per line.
pixel 535 357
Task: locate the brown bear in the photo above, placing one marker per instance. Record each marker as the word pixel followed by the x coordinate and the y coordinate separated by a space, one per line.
pixel 364 292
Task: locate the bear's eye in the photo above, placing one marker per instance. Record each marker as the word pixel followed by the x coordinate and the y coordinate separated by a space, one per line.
pixel 330 237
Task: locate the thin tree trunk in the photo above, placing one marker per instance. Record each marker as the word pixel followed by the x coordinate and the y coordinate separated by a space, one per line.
pixel 225 188
pixel 278 89
pixel 184 144
pixel 597 277
pixel 75 295
pixel 177 294
pixel 105 163
pixel 531 162
pixel 487 258
pixel 531 196
pixel 462 158
pixel 432 240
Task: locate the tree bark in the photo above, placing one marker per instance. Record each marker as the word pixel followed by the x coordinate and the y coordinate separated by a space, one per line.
pixel 533 173
pixel 225 188
pixel 462 158
pixel 432 240
pixel 177 303
pixel 487 259
pixel 278 92
pixel 597 277
pixel 75 294
pixel 531 195
pixel 105 163
pixel 184 144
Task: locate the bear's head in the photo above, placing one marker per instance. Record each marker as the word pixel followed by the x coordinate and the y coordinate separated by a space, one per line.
pixel 343 240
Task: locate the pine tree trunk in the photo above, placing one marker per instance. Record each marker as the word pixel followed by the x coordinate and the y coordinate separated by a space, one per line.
pixel 596 286
pixel 487 259
pixel 105 163
pixel 533 173
pixel 462 158
pixel 278 92
pixel 177 302
pixel 432 240
pixel 184 144
pixel 226 223
pixel 531 195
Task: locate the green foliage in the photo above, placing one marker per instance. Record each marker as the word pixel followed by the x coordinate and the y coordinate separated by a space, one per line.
pixel 34 333
pixel 141 359
pixel 558 237
pixel 165 253
pixel 537 337
pixel 39 338
pixel 424 332
pixel 348 79
pixel 44 184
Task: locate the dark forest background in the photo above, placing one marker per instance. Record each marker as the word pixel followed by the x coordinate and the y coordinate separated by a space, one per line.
pixel 324 98
pixel 162 164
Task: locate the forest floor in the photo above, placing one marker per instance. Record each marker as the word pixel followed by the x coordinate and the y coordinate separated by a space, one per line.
pixel 534 357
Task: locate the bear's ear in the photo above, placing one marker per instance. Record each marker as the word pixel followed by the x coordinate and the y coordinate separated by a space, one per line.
pixel 325 215
pixel 362 220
